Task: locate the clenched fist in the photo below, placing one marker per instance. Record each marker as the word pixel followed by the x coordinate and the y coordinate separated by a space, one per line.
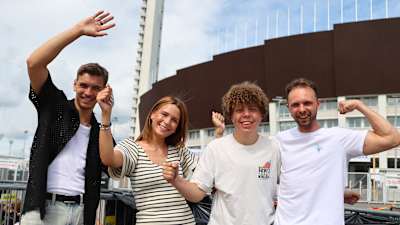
pixel 170 171
pixel 348 105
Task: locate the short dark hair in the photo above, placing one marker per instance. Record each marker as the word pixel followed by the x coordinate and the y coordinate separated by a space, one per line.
pixel 93 69
pixel 245 93
pixel 300 82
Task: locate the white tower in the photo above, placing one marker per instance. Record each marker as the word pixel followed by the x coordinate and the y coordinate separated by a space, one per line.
pixel 148 54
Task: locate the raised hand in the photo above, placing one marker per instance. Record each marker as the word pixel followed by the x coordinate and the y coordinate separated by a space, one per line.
pixel 348 105
pixel 218 121
pixel 96 25
pixel 105 99
pixel 170 171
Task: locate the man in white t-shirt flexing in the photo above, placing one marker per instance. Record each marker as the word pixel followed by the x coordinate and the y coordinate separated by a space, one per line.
pixel 314 159
pixel 243 167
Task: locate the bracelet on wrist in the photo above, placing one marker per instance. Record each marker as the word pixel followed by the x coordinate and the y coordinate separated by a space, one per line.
pixel 105 126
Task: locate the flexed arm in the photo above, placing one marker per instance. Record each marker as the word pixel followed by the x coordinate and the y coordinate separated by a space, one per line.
pixel 37 62
pixel 383 135
pixel 108 155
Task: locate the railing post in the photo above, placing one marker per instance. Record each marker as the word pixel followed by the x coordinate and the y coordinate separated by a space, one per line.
pixel 384 189
pixel 369 193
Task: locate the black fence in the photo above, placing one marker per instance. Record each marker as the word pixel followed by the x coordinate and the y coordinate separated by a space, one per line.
pixel 355 216
pixel 117 207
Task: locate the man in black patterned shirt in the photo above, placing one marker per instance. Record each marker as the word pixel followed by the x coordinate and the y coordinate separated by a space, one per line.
pixel 65 167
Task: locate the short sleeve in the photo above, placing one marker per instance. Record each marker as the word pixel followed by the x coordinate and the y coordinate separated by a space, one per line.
pixel 188 161
pixel 130 154
pixel 47 94
pixel 352 141
pixel 204 174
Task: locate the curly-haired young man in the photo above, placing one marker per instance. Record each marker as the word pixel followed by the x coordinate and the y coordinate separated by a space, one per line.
pixel 243 167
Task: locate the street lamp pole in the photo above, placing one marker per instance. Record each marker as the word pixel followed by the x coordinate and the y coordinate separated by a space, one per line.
pixel 11 143
pixel 23 148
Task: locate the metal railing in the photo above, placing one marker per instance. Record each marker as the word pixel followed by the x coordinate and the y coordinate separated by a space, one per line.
pixel 12 195
pixel 375 187
pixel 355 216
pixel 117 207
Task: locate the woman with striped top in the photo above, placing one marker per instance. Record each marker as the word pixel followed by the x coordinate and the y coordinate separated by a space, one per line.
pixel 161 140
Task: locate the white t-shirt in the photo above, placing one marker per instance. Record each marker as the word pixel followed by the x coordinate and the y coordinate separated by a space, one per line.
pixel 245 178
pixel 313 175
pixel 66 174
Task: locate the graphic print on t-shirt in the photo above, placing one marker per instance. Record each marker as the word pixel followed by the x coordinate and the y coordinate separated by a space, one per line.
pixel 264 171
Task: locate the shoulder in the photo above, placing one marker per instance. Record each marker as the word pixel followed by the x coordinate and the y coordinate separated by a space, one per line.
pixel 128 144
pixel 271 142
pixel 286 133
pixel 337 131
pixel 47 91
pixel 218 142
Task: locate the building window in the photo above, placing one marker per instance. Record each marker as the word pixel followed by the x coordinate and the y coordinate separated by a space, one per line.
pixel 328 105
pixel 229 129
pixel 393 101
pixel 394 120
pixel 328 123
pixel 366 124
pixel 354 122
pixel 11 175
pixel 391 163
pixel 210 132
pixel 19 175
pixel 194 134
pixel 287 125
pixel 371 101
pixel 376 162
pixel 26 175
pixel 264 128
pixel 283 111
pixel 357 122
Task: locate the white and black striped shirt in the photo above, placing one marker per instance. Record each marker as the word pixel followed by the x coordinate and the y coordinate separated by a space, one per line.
pixel 157 201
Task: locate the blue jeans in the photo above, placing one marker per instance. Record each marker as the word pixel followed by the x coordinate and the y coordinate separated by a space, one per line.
pixel 57 213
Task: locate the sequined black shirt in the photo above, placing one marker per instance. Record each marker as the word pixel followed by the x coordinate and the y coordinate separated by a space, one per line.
pixel 58 121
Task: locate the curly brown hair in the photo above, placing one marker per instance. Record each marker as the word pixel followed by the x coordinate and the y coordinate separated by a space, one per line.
pixel 245 93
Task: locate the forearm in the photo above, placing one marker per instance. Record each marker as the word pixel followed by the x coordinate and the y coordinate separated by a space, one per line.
pixel 108 155
pixel 219 132
pixel 43 55
pixel 190 191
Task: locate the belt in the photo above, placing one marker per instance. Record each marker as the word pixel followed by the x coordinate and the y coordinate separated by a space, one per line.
pixel 77 199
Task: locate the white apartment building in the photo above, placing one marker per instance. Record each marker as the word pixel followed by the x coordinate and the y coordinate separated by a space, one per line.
pixel 279 119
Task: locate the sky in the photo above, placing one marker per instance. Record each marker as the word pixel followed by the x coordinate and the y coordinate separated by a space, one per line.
pixel 193 31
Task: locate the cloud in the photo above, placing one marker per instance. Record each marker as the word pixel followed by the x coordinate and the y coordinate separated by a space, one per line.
pixel 27 24
pixel 193 31
pixel 186 36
